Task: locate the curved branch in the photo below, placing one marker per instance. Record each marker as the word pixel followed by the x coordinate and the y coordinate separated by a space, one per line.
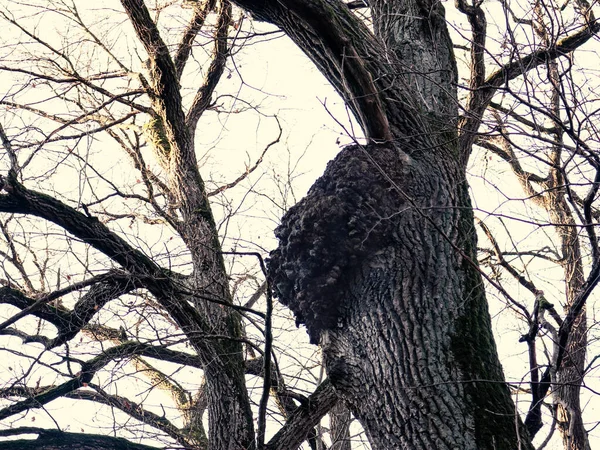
pixel 105 287
pixel 20 200
pixel 60 440
pixel 349 56
pixel 89 368
pixel 43 398
pixel 294 432
pixel 27 305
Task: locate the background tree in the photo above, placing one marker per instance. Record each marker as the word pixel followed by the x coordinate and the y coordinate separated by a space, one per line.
pixel 379 260
pixel 538 128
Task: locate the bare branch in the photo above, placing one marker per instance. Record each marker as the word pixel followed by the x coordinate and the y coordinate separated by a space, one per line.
pixel 60 440
pixel 133 409
pixel 163 77
pixel 347 54
pixel 184 49
pixel 480 99
pixel 215 70
pixel 251 169
pixel 305 418
pixel 21 200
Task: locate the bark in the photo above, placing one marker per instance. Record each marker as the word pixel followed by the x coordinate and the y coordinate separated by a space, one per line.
pixel 378 259
pixel 402 318
pixel 416 33
pixel 570 375
pixel 339 427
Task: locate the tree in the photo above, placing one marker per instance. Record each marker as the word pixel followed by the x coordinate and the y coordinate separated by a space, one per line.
pixel 550 172
pixel 379 260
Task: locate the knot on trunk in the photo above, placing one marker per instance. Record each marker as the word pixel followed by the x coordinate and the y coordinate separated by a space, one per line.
pixel 347 215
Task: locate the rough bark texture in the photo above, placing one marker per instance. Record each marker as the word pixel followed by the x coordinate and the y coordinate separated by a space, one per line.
pixel 570 375
pixel 377 260
pixel 417 34
pixel 401 313
pixel 339 427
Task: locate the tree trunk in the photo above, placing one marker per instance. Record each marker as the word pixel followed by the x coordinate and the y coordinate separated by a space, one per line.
pixel 229 413
pixel 568 379
pixel 382 271
pixel 379 259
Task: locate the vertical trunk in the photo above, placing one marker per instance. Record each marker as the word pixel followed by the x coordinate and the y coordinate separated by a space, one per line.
pixel 569 377
pixel 378 259
pixel 416 33
pixel 415 358
pixel 229 413
pixel 379 265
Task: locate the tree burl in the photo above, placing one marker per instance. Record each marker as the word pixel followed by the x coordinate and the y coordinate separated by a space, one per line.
pixel 344 218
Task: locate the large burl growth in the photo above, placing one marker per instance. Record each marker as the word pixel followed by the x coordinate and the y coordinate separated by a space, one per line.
pixel 344 217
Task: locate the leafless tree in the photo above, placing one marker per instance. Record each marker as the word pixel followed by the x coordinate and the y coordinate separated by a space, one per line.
pixel 123 281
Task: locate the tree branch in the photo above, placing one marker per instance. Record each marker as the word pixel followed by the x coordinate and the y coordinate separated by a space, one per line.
pixel 349 56
pixel 87 372
pixel 294 432
pixel 21 200
pixel 479 99
pixel 166 95
pixel 105 287
pixel 250 169
pixel 215 70
pixel 133 409
pixel 184 50
pixel 60 440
